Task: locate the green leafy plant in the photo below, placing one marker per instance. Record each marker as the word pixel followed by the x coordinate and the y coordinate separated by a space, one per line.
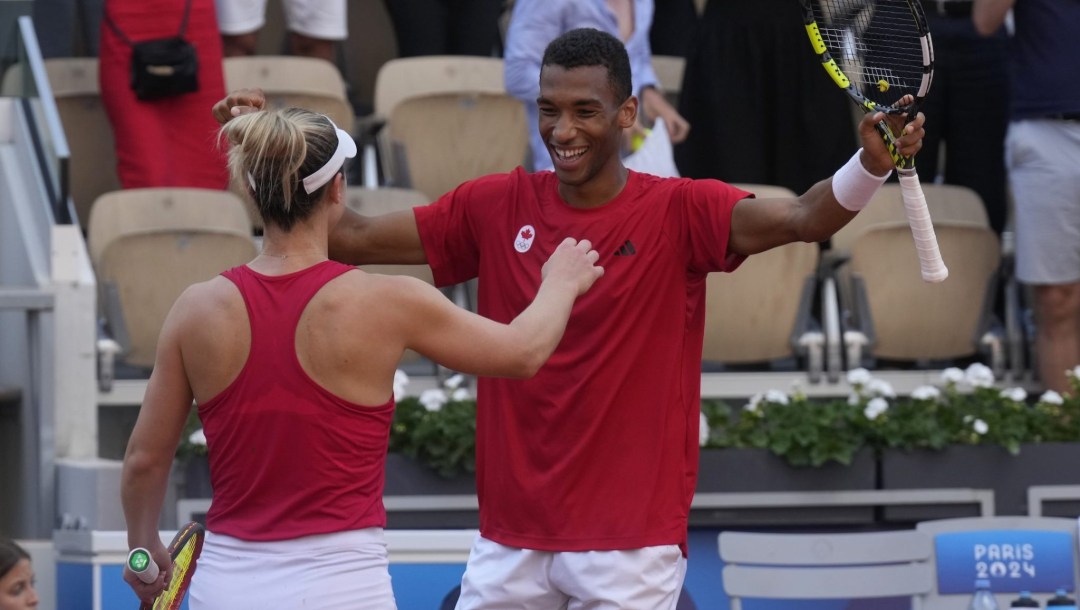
pixel 964 408
pixel 437 428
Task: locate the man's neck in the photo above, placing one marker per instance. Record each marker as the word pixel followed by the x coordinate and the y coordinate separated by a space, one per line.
pixel 595 192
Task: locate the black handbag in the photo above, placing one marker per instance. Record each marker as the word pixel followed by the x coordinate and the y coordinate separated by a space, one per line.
pixel 162 67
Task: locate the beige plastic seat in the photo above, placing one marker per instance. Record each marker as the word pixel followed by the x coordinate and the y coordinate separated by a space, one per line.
pixel 906 318
pixel 303 82
pixel 408 77
pixel 809 566
pixel 669 70
pixel 437 136
pixel 148 245
pixel 92 169
pixel 761 312
pixel 946 202
pixel 959 216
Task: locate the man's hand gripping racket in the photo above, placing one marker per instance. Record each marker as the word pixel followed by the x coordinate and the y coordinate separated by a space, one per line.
pixel 880 51
pixel 165 591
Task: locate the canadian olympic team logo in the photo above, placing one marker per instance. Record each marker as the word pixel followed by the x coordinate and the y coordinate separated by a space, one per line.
pixel 524 238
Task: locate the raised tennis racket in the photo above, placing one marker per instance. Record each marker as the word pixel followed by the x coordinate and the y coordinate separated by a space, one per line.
pixel 878 51
pixel 184 550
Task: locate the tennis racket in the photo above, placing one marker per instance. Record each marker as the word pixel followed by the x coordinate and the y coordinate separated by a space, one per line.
pixel 184 550
pixel 878 51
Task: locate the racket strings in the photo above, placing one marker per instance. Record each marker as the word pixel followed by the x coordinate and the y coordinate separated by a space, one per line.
pixel 183 563
pixel 877 44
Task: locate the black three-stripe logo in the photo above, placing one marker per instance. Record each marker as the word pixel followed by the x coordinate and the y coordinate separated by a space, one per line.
pixel 627 249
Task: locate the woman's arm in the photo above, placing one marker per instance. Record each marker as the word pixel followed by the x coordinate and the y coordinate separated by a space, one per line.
pixel 469 343
pixel 152 445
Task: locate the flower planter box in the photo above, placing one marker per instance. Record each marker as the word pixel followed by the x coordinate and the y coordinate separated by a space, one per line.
pixel 757 470
pixel 981 467
pixel 408 480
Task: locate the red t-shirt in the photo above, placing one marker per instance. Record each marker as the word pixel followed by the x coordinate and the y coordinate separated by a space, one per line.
pixel 287 457
pixel 598 451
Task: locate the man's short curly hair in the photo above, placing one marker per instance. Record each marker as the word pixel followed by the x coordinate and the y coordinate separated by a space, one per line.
pixel 591 47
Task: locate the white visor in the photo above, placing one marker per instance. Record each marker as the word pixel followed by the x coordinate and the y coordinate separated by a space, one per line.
pixel 346 149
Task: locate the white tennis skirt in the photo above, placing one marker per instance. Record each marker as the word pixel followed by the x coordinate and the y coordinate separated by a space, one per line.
pixel 327 571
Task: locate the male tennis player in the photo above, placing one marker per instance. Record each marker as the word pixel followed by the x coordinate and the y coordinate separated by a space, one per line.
pixel 585 472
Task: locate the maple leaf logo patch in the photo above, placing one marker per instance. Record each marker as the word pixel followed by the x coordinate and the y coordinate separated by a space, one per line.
pixel 523 239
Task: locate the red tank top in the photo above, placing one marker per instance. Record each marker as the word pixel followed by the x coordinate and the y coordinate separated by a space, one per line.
pixel 287 457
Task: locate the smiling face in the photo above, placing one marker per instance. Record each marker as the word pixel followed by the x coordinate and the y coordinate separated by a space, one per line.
pixel 17 588
pixel 582 122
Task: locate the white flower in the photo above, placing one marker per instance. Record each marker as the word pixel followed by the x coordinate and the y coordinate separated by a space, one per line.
pixel 980 427
pixel 400 381
pixel 454 382
pixel 926 392
pixel 433 400
pixel 1014 394
pixel 755 403
pixel 703 431
pixel 1051 397
pixel 859 376
pixel 776 396
pixel 459 395
pixel 875 407
pixel 979 375
pixel 952 375
pixel 198 437
pixel 880 387
pixel 854 399
pixel 1075 373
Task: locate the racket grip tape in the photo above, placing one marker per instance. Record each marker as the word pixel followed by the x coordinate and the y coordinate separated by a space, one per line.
pixel 143 565
pixel 922 229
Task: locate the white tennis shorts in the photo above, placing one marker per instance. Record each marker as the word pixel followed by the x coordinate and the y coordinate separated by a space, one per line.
pixel 322 19
pixel 499 576
pixel 344 570
pixel 1043 157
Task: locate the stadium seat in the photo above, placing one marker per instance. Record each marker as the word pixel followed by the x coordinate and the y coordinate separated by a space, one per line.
pixel 92 171
pixel 812 566
pixel 669 71
pixel 905 318
pixel 403 78
pixel 437 138
pixel 303 82
pixel 762 311
pixel 889 312
pixel 148 245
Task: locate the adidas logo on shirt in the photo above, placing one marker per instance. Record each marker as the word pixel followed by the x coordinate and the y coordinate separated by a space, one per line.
pixel 627 249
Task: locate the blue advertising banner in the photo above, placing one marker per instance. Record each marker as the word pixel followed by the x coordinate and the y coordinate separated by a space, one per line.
pixel 1012 560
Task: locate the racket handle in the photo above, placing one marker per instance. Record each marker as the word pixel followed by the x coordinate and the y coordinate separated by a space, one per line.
pixel 143 565
pixel 922 229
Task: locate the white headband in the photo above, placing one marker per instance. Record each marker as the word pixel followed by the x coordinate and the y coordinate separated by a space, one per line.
pixel 346 149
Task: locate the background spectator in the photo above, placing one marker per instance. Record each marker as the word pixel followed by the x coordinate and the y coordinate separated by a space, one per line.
pixel 314 26
pixel 757 97
pixel 446 27
pixel 169 141
pixel 1042 151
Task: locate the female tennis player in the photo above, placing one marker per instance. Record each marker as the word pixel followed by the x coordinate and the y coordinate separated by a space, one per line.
pixel 291 360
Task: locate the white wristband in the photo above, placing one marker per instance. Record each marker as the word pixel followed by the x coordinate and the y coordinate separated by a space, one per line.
pixel 854 186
